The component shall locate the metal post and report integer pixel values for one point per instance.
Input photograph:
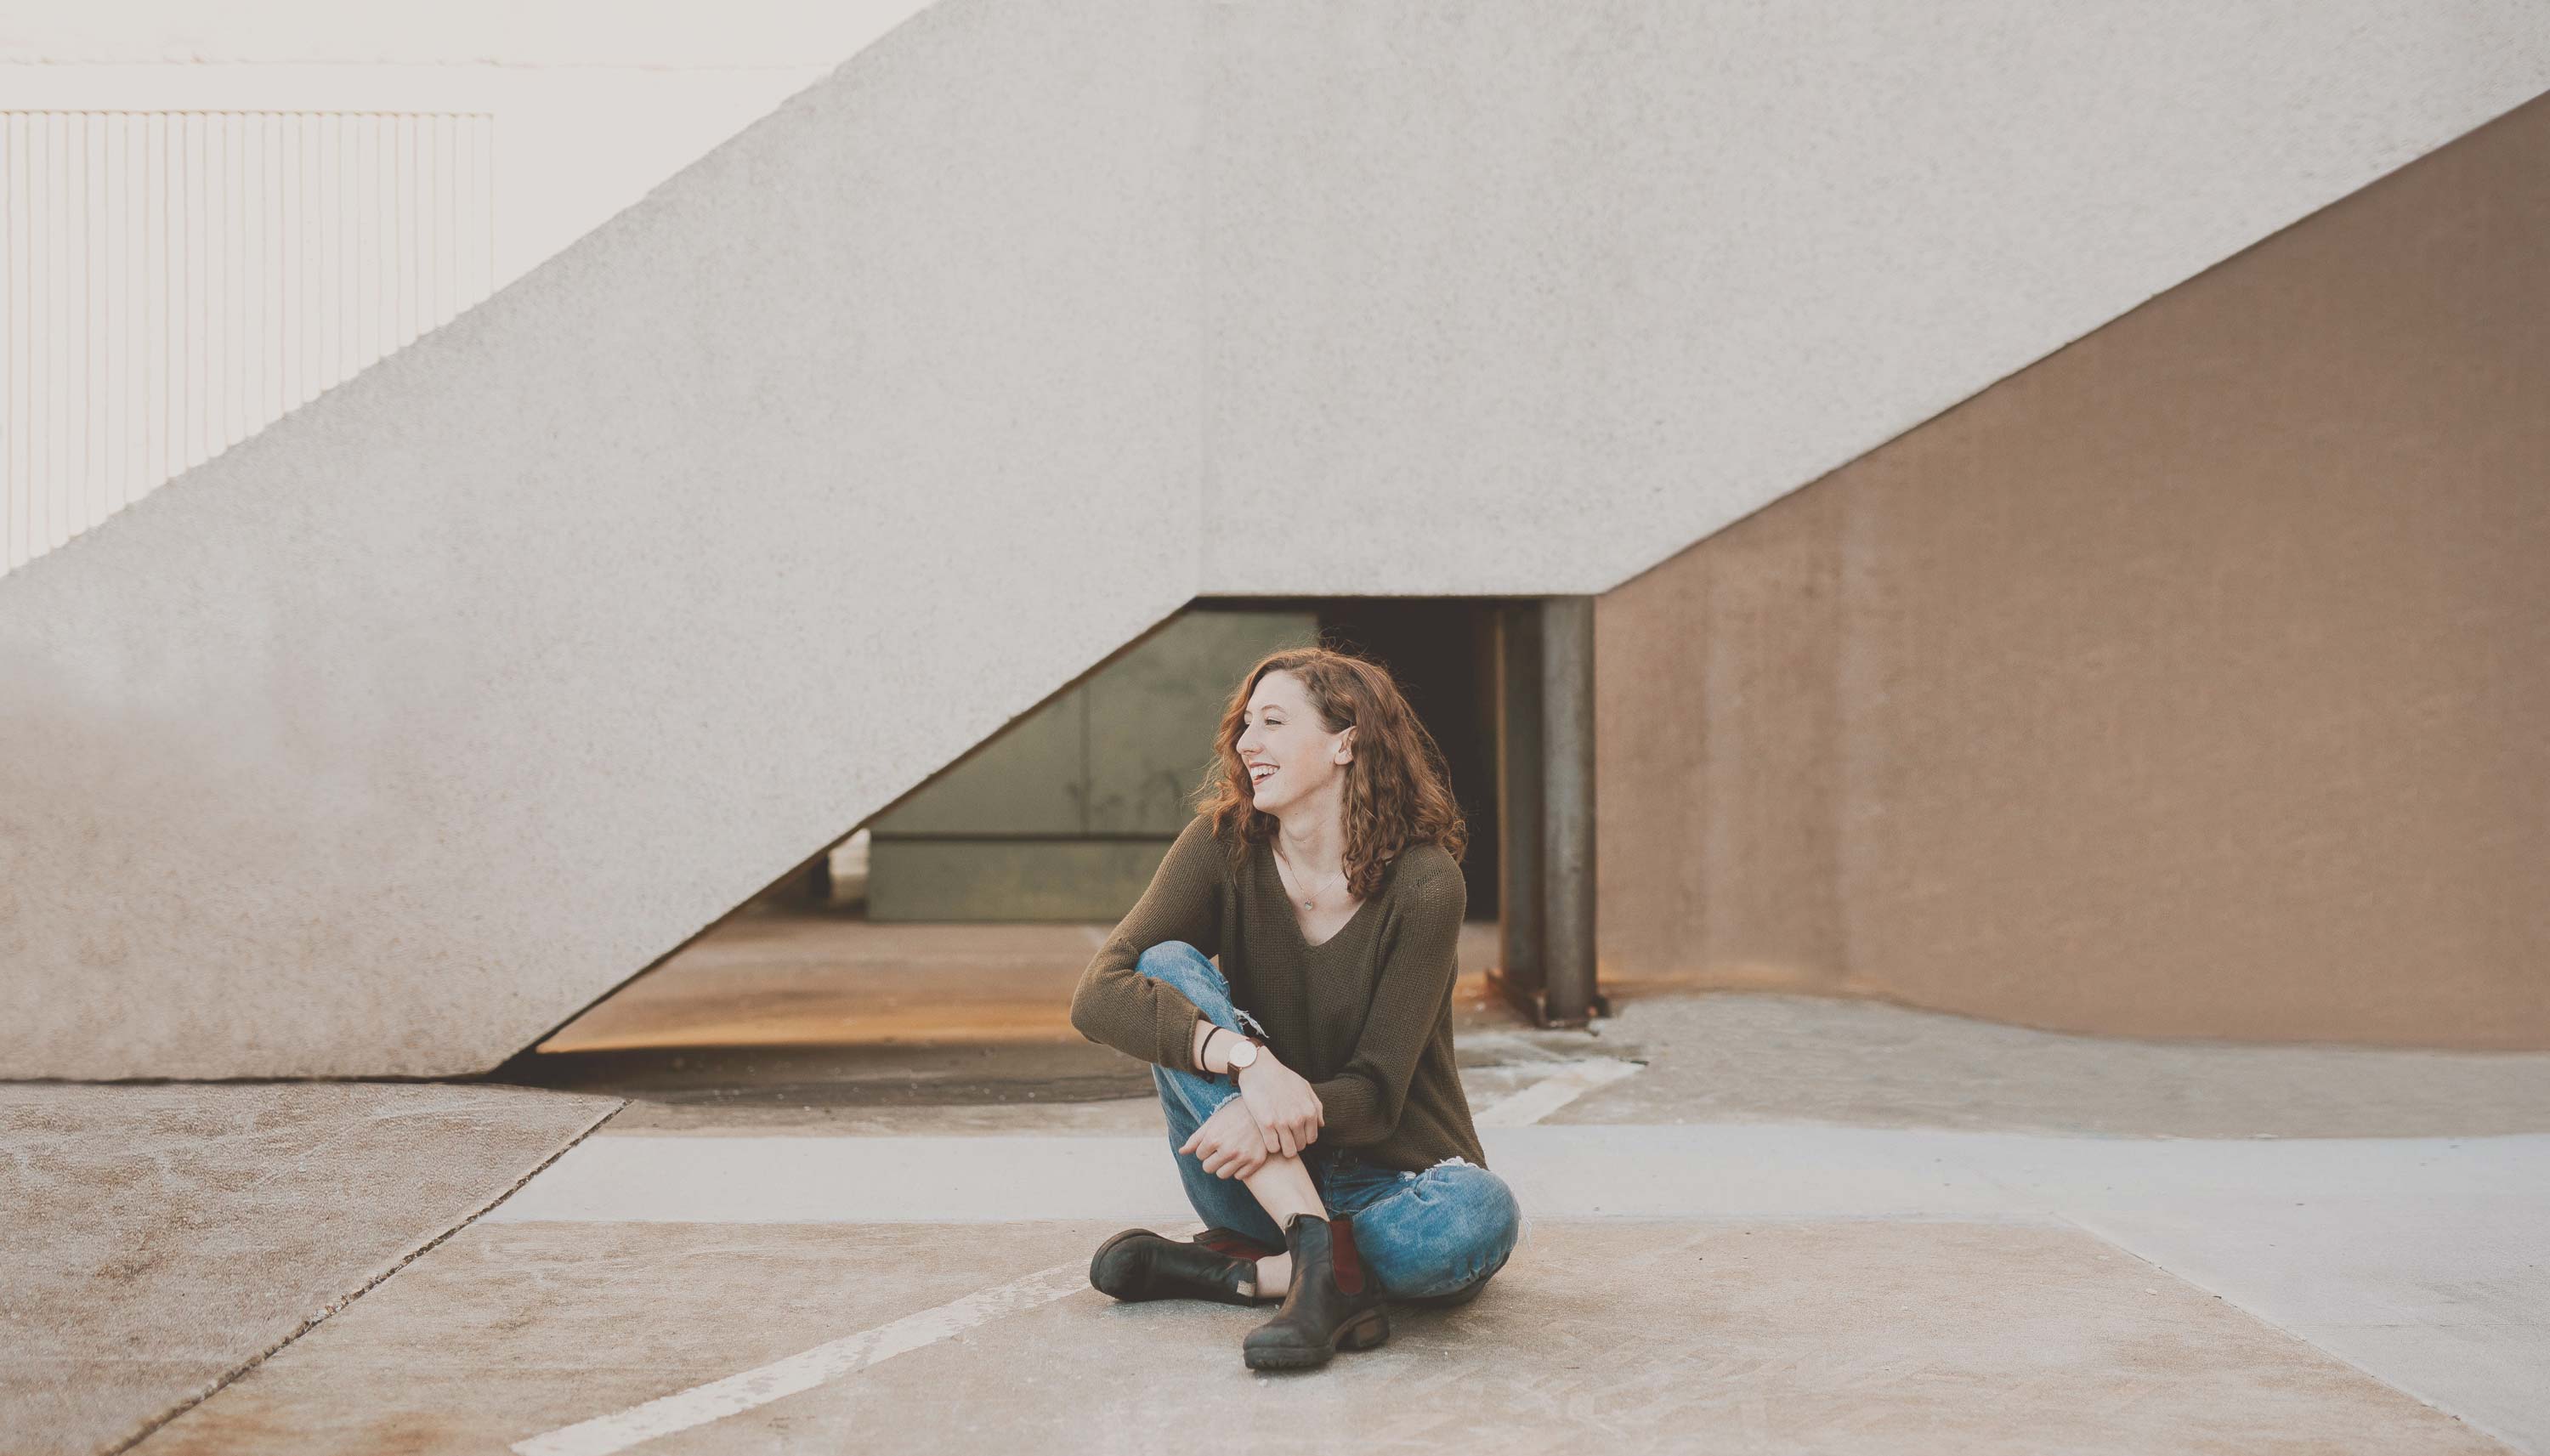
(1519, 974)
(1569, 996)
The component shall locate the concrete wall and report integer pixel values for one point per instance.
(2192, 681)
(389, 738)
(500, 670)
(1528, 296)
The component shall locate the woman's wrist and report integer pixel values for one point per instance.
(1201, 1049)
(1265, 1059)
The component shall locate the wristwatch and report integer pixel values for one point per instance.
(1245, 1054)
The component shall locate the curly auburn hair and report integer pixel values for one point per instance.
(1396, 789)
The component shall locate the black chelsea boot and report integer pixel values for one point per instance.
(1139, 1264)
(1334, 1303)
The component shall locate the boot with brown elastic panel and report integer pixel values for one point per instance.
(1236, 1245)
(1334, 1303)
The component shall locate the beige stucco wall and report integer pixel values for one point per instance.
(2194, 681)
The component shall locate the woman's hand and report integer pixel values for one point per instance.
(1287, 1111)
(1229, 1144)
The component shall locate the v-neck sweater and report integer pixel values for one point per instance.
(1366, 1016)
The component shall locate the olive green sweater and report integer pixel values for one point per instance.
(1364, 1015)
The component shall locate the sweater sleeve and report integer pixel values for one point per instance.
(1142, 1016)
(1364, 1099)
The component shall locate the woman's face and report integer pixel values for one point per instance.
(1282, 732)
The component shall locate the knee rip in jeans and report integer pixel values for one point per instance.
(1522, 1223)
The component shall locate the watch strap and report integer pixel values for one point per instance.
(1204, 1070)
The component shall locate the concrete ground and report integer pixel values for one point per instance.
(1754, 1223)
(162, 1238)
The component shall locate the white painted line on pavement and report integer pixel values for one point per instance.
(827, 1362)
(1565, 1085)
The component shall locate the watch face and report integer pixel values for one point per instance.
(1243, 1056)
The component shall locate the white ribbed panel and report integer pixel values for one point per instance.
(176, 280)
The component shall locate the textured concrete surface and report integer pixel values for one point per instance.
(1735, 1057)
(2411, 1258)
(162, 1238)
(389, 738)
(1665, 1335)
(486, 679)
(2189, 681)
(1775, 1169)
(1538, 295)
(1695, 1271)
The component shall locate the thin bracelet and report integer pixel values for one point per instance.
(1201, 1064)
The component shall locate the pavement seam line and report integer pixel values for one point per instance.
(152, 1427)
(832, 1360)
(2114, 1241)
(1566, 1082)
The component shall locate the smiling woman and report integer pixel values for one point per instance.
(1308, 1082)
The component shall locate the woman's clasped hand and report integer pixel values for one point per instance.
(1228, 1143)
(1276, 1114)
(1288, 1111)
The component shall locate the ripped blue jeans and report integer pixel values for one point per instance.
(1432, 1236)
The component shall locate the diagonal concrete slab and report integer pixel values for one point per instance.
(1832, 1336)
(1771, 1337)
(2413, 1259)
(507, 1332)
(162, 1238)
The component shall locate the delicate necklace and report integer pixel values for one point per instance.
(1312, 903)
